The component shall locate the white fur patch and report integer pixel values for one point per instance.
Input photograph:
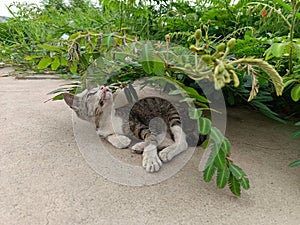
(179, 146)
(119, 141)
(139, 147)
(102, 133)
(151, 161)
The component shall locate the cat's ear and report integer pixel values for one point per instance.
(72, 101)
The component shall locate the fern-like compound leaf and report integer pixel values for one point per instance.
(220, 160)
(245, 183)
(234, 185)
(236, 171)
(222, 177)
(209, 172)
(226, 146)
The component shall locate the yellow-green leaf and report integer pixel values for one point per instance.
(56, 63)
(31, 57)
(73, 67)
(63, 61)
(195, 113)
(295, 93)
(45, 62)
(204, 126)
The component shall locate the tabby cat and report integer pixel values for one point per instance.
(149, 120)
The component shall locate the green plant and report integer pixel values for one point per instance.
(291, 47)
(124, 59)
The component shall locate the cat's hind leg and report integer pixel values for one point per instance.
(179, 146)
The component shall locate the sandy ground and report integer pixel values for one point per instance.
(44, 178)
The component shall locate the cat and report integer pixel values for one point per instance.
(149, 119)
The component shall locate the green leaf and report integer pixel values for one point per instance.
(75, 35)
(209, 172)
(295, 93)
(63, 61)
(57, 97)
(204, 126)
(216, 136)
(194, 94)
(297, 48)
(245, 183)
(286, 6)
(45, 62)
(266, 110)
(226, 146)
(147, 57)
(237, 172)
(213, 151)
(147, 66)
(220, 160)
(55, 64)
(31, 57)
(158, 68)
(297, 124)
(108, 40)
(73, 67)
(294, 164)
(234, 185)
(287, 83)
(277, 50)
(194, 113)
(204, 145)
(222, 177)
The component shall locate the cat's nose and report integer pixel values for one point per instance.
(104, 89)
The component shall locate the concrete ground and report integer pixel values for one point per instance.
(44, 179)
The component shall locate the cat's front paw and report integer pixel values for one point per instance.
(119, 141)
(171, 151)
(167, 153)
(138, 147)
(151, 161)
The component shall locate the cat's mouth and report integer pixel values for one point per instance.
(106, 95)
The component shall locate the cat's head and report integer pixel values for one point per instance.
(90, 102)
